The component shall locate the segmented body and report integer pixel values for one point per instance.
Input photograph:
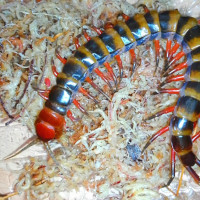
(122, 37)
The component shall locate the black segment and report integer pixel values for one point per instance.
(192, 33)
(182, 22)
(181, 124)
(60, 96)
(108, 41)
(195, 67)
(83, 58)
(194, 86)
(164, 18)
(150, 21)
(195, 52)
(74, 70)
(122, 34)
(188, 159)
(135, 28)
(56, 107)
(95, 49)
(190, 104)
(180, 143)
(67, 83)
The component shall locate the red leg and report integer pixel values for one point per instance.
(111, 72)
(170, 91)
(84, 92)
(195, 137)
(119, 62)
(99, 31)
(164, 111)
(76, 42)
(54, 70)
(133, 60)
(63, 60)
(173, 78)
(178, 68)
(108, 25)
(97, 88)
(71, 117)
(44, 94)
(174, 50)
(157, 52)
(78, 105)
(126, 17)
(159, 133)
(177, 57)
(168, 48)
(146, 10)
(87, 37)
(99, 73)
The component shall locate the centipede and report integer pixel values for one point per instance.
(182, 54)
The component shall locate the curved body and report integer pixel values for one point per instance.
(123, 36)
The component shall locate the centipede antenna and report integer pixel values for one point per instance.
(164, 111)
(87, 37)
(6, 196)
(76, 42)
(120, 66)
(104, 78)
(62, 60)
(193, 174)
(133, 60)
(111, 72)
(97, 88)
(157, 53)
(84, 92)
(71, 117)
(29, 143)
(173, 50)
(159, 133)
(78, 105)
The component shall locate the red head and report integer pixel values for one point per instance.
(49, 124)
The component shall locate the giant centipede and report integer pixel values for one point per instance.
(121, 37)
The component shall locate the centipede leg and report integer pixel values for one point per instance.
(71, 117)
(62, 60)
(76, 42)
(168, 48)
(111, 72)
(173, 162)
(146, 10)
(176, 68)
(177, 57)
(84, 92)
(54, 70)
(104, 78)
(97, 88)
(174, 50)
(165, 111)
(157, 53)
(78, 105)
(126, 17)
(170, 91)
(195, 137)
(108, 25)
(44, 94)
(87, 37)
(193, 174)
(159, 133)
(133, 60)
(97, 30)
(120, 66)
(173, 78)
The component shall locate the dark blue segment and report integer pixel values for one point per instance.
(67, 83)
(95, 49)
(108, 41)
(76, 71)
(56, 107)
(135, 28)
(164, 18)
(84, 59)
(122, 34)
(60, 96)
